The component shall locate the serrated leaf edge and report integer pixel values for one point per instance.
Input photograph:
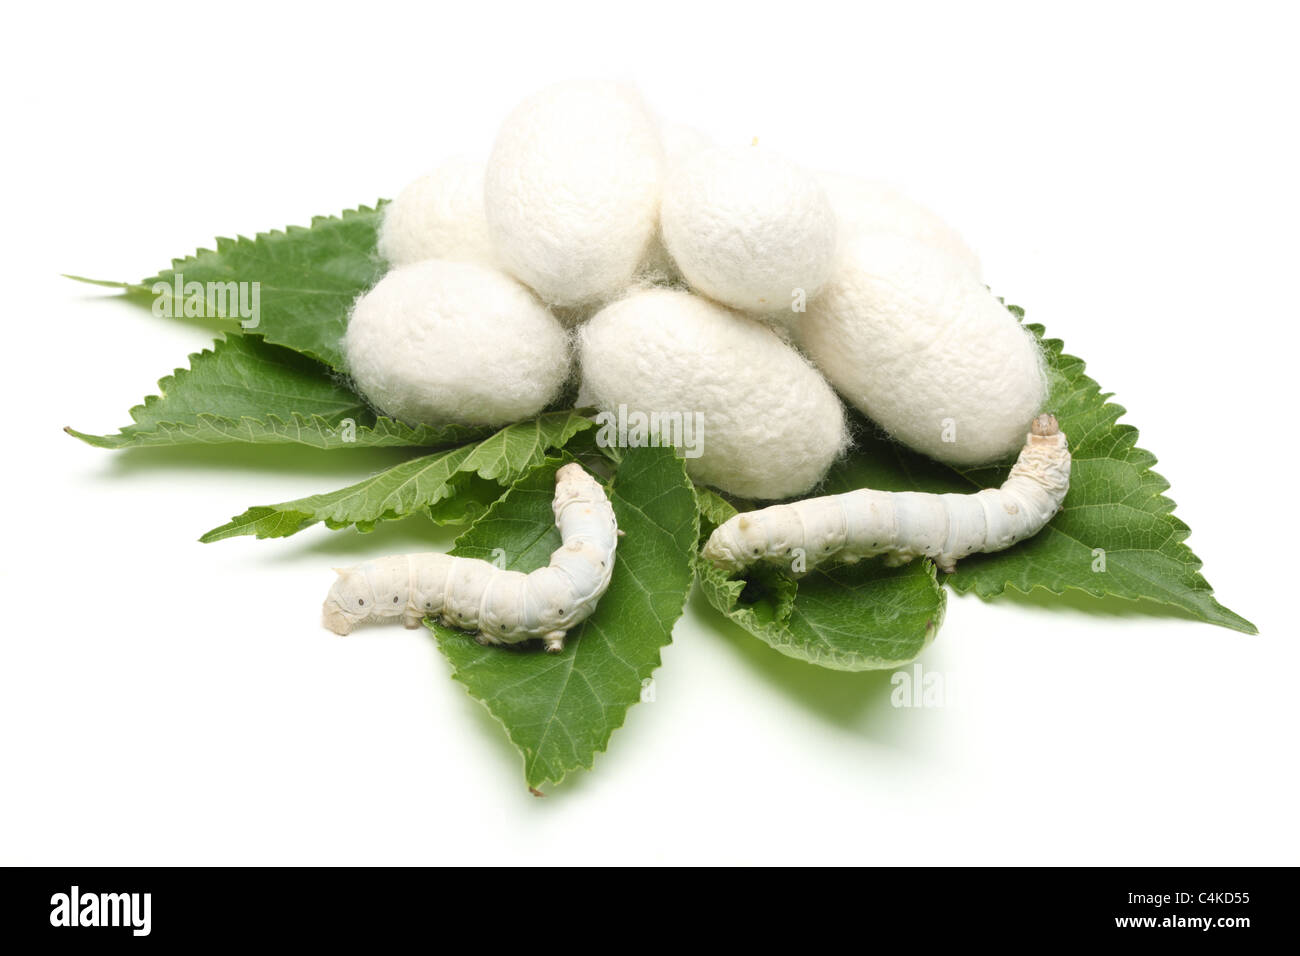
(526, 754)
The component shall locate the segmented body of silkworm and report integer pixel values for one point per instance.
(904, 525)
(499, 606)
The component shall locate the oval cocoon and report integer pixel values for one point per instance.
(748, 227)
(864, 206)
(770, 424)
(919, 345)
(572, 191)
(436, 342)
(439, 216)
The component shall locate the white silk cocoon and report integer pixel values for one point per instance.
(436, 342)
(748, 227)
(865, 206)
(572, 191)
(771, 425)
(439, 216)
(918, 344)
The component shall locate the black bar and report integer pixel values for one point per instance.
(336, 906)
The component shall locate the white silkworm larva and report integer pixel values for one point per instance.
(903, 525)
(499, 606)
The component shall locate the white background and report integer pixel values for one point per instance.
(1127, 172)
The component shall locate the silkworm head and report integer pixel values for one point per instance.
(1045, 424)
(750, 536)
(349, 602)
(735, 544)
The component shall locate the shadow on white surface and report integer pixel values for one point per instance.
(853, 701)
(1105, 608)
(343, 464)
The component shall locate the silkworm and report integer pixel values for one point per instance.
(499, 606)
(903, 525)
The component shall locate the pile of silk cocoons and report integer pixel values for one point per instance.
(601, 247)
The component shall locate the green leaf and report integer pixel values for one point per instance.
(856, 617)
(1116, 508)
(470, 497)
(560, 710)
(413, 485)
(866, 615)
(1116, 503)
(714, 508)
(244, 390)
(308, 278)
(849, 618)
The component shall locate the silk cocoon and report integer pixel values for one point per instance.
(437, 342)
(439, 216)
(573, 189)
(865, 206)
(771, 424)
(748, 227)
(916, 342)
